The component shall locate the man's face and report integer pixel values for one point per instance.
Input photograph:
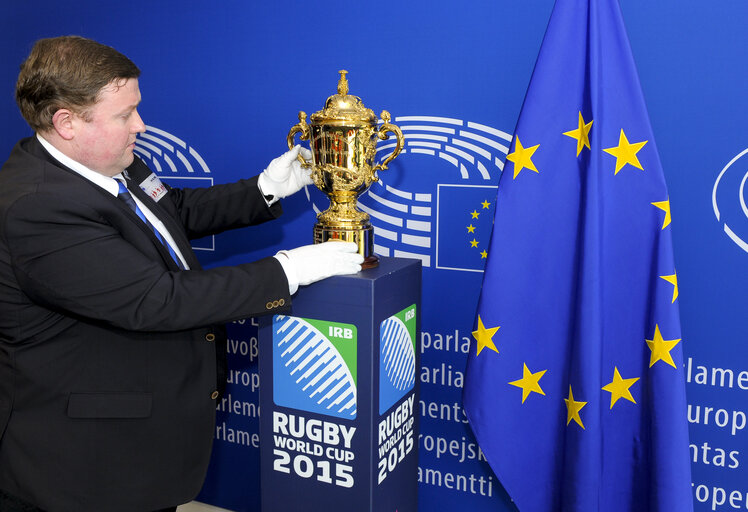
(106, 140)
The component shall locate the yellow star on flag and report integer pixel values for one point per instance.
(529, 382)
(581, 134)
(483, 255)
(484, 336)
(672, 279)
(661, 348)
(619, 388)
(522, 157)
(625, 152)
(474, 243)
(471, 228)
(665, 207)
(474, 214)
(486, 205)
(572, 409)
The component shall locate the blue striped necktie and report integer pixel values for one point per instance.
(124, 194)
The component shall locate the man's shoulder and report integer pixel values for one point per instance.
(26, 161)
(22, 171)
(29, 170)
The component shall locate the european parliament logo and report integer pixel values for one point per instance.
(436, 201)
(176, 163)
(729, 199)
(314, 366)
(397, 357)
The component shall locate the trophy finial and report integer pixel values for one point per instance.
(343, 83)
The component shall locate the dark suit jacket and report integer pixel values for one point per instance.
(107, 351)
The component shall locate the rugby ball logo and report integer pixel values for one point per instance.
(314, 366)
(397, 358)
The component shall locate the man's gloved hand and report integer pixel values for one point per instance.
(311, 263)
(285, 175)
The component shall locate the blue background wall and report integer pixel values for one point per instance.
(228, 79)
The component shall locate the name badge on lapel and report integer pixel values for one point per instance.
(153, 187)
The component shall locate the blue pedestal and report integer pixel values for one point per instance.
(339, 394)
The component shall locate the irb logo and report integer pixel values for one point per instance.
(340, 332)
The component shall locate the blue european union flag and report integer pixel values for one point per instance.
(464, 222)
(575, 387)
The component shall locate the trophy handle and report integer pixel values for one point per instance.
(382, 134)
(302, 128)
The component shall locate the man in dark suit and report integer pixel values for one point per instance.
(111, 348)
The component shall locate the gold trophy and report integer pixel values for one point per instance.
(343, 138)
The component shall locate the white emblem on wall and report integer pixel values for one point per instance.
(169, 154)
(729, 199)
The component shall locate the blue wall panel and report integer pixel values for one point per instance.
(227, 79)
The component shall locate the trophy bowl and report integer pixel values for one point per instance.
(343, 138)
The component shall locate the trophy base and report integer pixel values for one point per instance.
(363, 237)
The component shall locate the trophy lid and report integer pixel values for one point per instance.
(344, 107)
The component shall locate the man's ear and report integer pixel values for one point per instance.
(64, 123)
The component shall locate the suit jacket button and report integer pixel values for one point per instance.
(214, 395)
(210, 337)
(269, 305)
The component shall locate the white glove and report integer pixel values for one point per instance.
(311, 263)
(285, 175)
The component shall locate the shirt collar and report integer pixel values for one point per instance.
(105, 182)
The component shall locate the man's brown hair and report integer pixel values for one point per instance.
(67, 72)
